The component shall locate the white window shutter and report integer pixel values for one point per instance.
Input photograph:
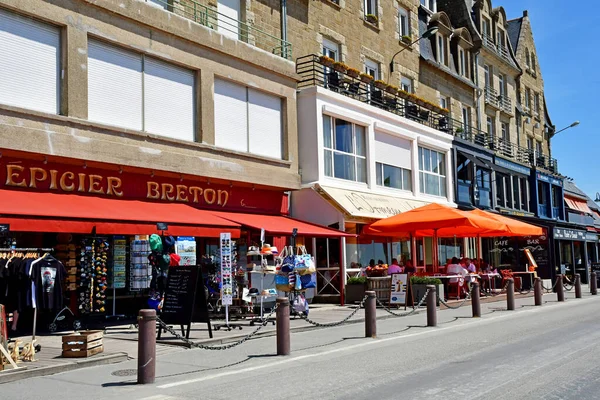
(264, 124)
(29, 64)
(169, 103)
(231, 116)
(392, 150)
(114, 86)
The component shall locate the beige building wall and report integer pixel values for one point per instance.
(143, 28)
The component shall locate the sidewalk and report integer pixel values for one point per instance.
(120, 342)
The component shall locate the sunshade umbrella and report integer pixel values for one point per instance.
(515, 228)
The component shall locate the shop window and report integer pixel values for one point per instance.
(29, 63)
(524, 194)
(557, 201)
(247, 120)
(464, 178)
(450, 247)
(393, 177)
(345, 151)
(432, 172)
(484, 188)
(542, 199)
(501, 194)
(516, 193)
(131, 90)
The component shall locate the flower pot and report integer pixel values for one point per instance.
(366, 78)
(418, 291)
(339, 68)
(380, 85)
(354, 73)
(326, 61)
(355, 293)
(372, 19)
(391, 90)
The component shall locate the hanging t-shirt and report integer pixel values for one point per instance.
(48, 274)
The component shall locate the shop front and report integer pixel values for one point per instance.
(575, 251)
(96, 218)
(473, 171)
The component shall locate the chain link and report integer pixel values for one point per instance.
(220, 347)
(332, 324)
(551, 289)
(406, 314)
(467, 298)
(567, 282)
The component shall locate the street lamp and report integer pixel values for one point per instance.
(426, 35)
(597, 197)
(573, 125)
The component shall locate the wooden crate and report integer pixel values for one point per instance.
(84, 344)
(381, 286)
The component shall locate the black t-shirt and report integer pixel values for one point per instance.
(48, 274)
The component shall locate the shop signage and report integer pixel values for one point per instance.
(398, 289)
(550, 179)
(515, 213)
(569, 234)
(4, 228)
(30, 175)
(512, 166)
(591, 237)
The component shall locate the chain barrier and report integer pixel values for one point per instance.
(567, 282)
(467, 298)
(551, 289)
(406, 314)
(220, 347)
(332, 324)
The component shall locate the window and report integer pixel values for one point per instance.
(429, 4)
(529, 143)
(441, 49)
(247, 120)
(466, 118)
(500, 189)
(432, 172)
(484, 188)
(403, 22)
(444, 102)
(500, 38)
(485, 27)
(331, 49)
(527, 59)
(491, 127)
(393, 177)
(372, 68)
(542, 195)
(533, 62)
(528, 98)
(464, 178)
(371, 7)
(462, 62)
(524, 194)
(505, 133)
(536, 103)
(488, 76)
(502, 84)
(406, 84)
(538, 147)
(516, 192)
(29, 64)
(344, 149)
(137, 92)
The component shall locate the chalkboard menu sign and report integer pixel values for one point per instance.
(184, 298)
(596, 267)
(538, 246)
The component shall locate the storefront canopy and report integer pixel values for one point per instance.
(514, 227)
(578, 205)
(50, 212)
(279, 225)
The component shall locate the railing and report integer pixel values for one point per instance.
(314, 73)
(226, 25)
(506, 104)
(491, 96)
(499, 49)
(555, 212)
(543, 210)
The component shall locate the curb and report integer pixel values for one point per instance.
(12, 376)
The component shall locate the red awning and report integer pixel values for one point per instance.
(578, 205)
(279, 225)
(50, 212)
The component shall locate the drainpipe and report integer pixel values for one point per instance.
(478, 91)
(283, 14)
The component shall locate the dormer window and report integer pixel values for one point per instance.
(527, 59)
(442, 46)
(533, 66)
(500, 38)
(430, 5)
(461, 45)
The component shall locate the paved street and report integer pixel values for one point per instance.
(532, 353)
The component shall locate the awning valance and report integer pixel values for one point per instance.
(578, 205)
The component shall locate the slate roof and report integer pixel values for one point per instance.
(572, 189)
(514, 31)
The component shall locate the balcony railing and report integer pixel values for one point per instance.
(501, 50)
(314, 73)
(506, 104)
(226, 25)
(491, 96)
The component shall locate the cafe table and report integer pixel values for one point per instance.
(446, 279)
(491, 279)
(531, 277)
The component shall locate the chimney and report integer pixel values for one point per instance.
(525, 13)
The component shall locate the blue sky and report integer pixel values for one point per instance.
(568, 56)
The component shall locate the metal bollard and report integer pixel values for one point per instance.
(146, 371)
(594, 283)
(371, 314)
(431, 306)
(283, 326)
(475, 301)
(577, 286)
(510, 294)
(537, 291)
(560, 290)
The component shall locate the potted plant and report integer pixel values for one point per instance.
(379, 84)
(353, 72)
(366, 78)
(459, 130)
(355, 289)
(340, 67)
(407, 39)
(419, 287)
(326, 61)
(391, 89)
(403, 94)
(372, 19)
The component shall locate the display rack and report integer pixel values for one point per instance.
(227, 279)
(263, 273)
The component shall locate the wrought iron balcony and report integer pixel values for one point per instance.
(501, 50)
(314, 73)
(491, 97)
(506, 104)
(226, 25)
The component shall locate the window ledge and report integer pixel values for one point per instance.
(374, 26)
(333, 4)
(407, 46)
(140, 135)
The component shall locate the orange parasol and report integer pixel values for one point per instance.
(515, 228)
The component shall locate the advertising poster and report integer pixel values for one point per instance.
(226, 269)
(186, 249)
(398, 290)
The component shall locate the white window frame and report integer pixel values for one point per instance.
(372, 4)
(431, 5)
(404, 22)
(332, 150)
(329, 47)
(372, 68)
(500, 38)
(505, 132)
(406, 182)
(528, 98)
(426, 168)
(462, 62)
(442, 54)
(444, 103)
(406, 84)
(501, 84)
(536, 103)
(491, 126)
(466, 118)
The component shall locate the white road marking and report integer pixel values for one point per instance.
(365, 344)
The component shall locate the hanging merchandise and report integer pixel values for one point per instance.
(86, 276)
(100, 275)
(93, 276)
(300, 304)
(140, 273)
(226, 269)
(118, 276)
(186, 249)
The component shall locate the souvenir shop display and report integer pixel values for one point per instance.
(267, 257)
(296, 274)
(140, 271)
(93, 276)
(227, 260)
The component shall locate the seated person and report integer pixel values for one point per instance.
(409, 269)
(394, 268)
(455, 269)
(470, 266)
